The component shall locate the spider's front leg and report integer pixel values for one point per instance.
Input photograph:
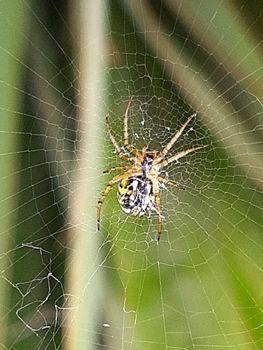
(115, 143)
(176, 136)
(111, 183)
(179, 155)
(127, 145)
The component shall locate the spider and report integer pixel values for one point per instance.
(139, 185)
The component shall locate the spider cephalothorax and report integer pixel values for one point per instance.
(139, 186)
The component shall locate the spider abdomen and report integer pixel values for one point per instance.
(135, 196)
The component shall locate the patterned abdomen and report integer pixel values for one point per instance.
(135, 196)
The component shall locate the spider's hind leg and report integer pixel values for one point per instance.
(160, 226)
(156, 193)
(104, 194)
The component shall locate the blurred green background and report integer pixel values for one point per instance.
(201, 287)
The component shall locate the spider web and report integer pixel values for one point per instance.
(64, 285)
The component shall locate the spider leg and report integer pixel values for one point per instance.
(173, 140)
(114, 142)
(129, 147)
(169, 182)
(156, 193)
(180, 155)
(111, 183)
(116, 168)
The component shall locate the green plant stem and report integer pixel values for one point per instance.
(83, 282)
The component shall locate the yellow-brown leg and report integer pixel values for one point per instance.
(173, 140)
(115, 168)
(170, 183)
(129, 147)
(157, 198)
(115, 143)
(180, 155)
(111, 183)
